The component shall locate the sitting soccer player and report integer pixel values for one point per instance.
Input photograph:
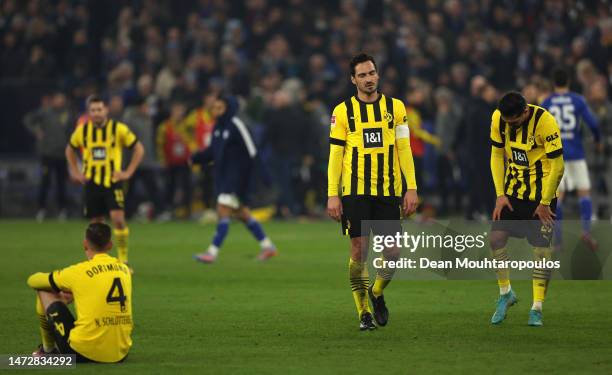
(102, 290)
(234, 156)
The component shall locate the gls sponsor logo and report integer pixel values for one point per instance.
(552, 137)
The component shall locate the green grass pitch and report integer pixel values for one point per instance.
(295, 314)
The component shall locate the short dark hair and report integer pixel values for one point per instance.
(560, 77)
(94, 98)
(98, 235)
(361, 58)
(512, 104)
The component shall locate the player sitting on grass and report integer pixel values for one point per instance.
(101, 288)
(233, 154)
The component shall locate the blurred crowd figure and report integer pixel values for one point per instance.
(51, 125)
(160, 62)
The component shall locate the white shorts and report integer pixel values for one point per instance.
(575, 177)
(230, 200)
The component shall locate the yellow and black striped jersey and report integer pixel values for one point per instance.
(368, 134)
(102, 149)
(528, 149)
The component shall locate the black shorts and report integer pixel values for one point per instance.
(99, 200)
(62, 322)
(521, 223)
(358, 208)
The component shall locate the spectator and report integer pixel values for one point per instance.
(116, 107)
(601, 106)
(138, 118)
(419, 137)
(40, 67)
(448, 116)
(475, 130)
(51, 125)
(287, 134)
(202, 122)
(166, 51)
(13, 56)
(174, 141)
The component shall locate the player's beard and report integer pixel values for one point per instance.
(369, 90)
(99, 123)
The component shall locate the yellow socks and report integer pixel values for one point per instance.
(503, 274)
(121, 238)
(48, 341)
(360, 282)
(379, 285)
(541, 276)
(383, 278)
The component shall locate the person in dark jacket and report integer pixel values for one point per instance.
(51, 126)
(234, 157)
(477, 132)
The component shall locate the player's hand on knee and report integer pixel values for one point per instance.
(334, 208)
(501, 202)
(545, 214)
(411, 202)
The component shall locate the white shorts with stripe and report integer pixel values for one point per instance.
(229, 200)
(575, 177)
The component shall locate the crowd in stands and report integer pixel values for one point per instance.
(159, 63)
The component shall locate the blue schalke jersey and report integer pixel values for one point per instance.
(568, 109)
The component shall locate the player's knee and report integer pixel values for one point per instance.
(223, 211)
(392, 253)
(48, 298)
(357, 255)
(244, 217)
(584, 193)
(358, 249)
(497, 240)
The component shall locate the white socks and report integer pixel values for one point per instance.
(213, 250)
(266, 243)
(537, 305)
(505, 289)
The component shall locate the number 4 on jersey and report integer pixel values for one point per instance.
(115, 294)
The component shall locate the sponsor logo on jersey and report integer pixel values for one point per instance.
(98, 153)
(552, 137)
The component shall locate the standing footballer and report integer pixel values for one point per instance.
(569, 108)
(369, 154)
(528, 137)
(102, 141)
